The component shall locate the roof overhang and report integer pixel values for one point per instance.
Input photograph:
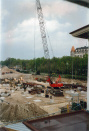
(81, 33)
(81, 2)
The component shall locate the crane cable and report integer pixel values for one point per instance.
(49, 39)
(51, 47)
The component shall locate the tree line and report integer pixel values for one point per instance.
(67, 66)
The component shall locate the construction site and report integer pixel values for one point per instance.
(43, 102)
(23, 97)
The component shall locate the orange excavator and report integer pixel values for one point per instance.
(56, 84)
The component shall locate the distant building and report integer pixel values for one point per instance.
(80, 52)
(72, 52)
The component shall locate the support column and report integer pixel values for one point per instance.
(88, 80)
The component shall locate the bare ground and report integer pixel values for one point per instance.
(21, 105)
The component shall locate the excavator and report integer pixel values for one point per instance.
(56, 84)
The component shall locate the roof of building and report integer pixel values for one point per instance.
(72, 49)
(81, 32)
(75, 121)
(85, 47)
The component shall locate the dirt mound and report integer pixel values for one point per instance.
(18, 112)
(6, 69)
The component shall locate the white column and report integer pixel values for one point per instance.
(0, 30)
(88, 80)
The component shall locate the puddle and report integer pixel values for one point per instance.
(2, 98)
(29, 97)
(37, 100)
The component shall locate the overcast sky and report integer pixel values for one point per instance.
(20, 27)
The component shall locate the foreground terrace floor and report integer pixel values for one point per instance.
(76, 121)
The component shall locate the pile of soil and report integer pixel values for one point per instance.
(6, 69)
(10, 73)
(11, 112)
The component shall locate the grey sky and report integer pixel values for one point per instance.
(18, 20)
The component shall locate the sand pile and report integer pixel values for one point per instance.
(18, 112)
(15, 74)
(6, 69)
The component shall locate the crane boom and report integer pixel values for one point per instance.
(42, 29)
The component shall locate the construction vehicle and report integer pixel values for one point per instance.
(58, 79)
(54, 84)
